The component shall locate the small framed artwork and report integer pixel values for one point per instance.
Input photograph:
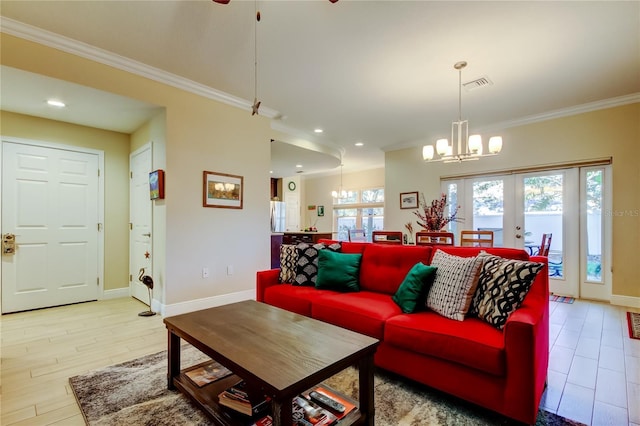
(409, 200)
(156, 185)
(222, 190)
(320, 210)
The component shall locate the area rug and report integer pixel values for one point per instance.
(135, 393)
(561, 299)
(633, 320)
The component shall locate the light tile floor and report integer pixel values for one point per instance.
(594, 371)
(594, 367)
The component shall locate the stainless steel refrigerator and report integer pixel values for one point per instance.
(278, 216)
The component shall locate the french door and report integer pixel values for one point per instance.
(567, 203)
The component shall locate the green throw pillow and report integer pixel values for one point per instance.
(338, 271)
(413, 289)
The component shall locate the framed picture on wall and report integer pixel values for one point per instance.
(222, 190)
(320, 210)
(156, 185)
(409, 200)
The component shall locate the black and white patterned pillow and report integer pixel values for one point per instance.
(454, 284)
(288, 262)
(307, 263)
(502, 286)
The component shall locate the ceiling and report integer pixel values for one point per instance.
(376, 72)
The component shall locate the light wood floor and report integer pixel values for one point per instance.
(594, 372)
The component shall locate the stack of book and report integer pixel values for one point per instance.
(239, 398)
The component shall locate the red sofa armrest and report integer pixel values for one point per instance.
(264, 280)
(526, 336)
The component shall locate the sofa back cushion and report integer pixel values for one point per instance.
(507, 253)
(384, 267)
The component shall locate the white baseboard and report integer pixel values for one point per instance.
(116, 293)
(207, 302)
(629, 301)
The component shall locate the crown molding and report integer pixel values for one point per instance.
(566, 112)
(550, 115)
(87, 51)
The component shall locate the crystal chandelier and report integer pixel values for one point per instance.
(468, 148)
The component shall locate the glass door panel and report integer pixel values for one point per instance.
(488, 208)
(543, 214)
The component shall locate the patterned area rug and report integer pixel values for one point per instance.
(561, 299)
(633, 320)
(135, 393)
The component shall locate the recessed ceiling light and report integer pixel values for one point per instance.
(359, 144)
(299, 166)
(56, 103)
(271, 171)
(318, 130)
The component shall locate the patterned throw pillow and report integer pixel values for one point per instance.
(288, 262)
(307, 263)
(502, 286)
(454, 284)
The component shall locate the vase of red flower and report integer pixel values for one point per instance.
(432, 216)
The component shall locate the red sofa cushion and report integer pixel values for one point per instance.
(292, 297)
(508, 253)
(471, 342)
(364, 312)
(384, 267)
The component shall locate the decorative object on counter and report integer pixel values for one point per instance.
(222, 190)
(156, 185)
(409, 200)
(409, 227)
(432, 216)
(148, 282)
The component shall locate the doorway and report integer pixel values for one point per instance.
(51, 206)
(567, 203)
(141, 222)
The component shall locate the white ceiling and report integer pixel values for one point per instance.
(377, 72)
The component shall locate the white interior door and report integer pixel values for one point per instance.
(50, 202)
(140, 239)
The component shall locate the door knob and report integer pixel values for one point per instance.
(518, 228)
(518, 236)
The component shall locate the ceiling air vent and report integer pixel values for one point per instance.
(477, 83)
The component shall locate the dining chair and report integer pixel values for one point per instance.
(357, 235)
(386, 237)
(428, 238)
(476, 238)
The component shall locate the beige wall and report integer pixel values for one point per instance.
(317, 191)
(116, 162)
(613, 132)
(200, 134)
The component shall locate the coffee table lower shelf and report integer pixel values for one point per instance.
(206, 398)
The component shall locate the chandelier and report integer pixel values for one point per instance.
(340, 193)
(468, 148)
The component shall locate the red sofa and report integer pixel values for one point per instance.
(502, 370)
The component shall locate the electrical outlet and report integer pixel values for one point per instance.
(205, 272)
(230, 270)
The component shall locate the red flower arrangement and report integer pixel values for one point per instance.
(432, 216)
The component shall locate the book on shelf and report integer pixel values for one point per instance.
(308, 413)
(264, 421)
(239, 398)
(206, 372)
(349, 406)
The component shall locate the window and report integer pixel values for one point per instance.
(363, 209)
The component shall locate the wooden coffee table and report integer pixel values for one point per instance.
(281, 352)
